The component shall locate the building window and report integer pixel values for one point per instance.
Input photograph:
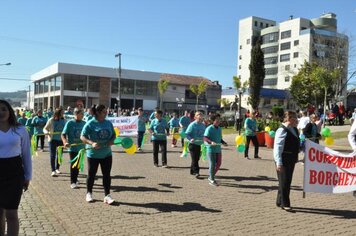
(240, 57)
(296, 54)
(270, 82)
(266, 25)
(285, 46)
(287, 67)
(285, 57)
(75, 82)
(146, 88)
(286, 34)
(270, 38)
(266, 101)
(286, 79)
(248, 41)
(271, 71)
(240, 46)
(273, 49)
(174, 87)
(271, 60)
(296, 42)
(261, 24)
(295, 65)
(127, 86)
(256, 23)
(94, 84)
(239, 67)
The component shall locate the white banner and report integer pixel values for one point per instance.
(328, 171)
(128, 125)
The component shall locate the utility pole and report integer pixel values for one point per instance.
(119, 85)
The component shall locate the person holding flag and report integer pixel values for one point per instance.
(71, 140)
(184, 121)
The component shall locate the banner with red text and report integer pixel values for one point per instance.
(328, 171)
(127, 125)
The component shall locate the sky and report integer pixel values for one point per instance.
(188, 37)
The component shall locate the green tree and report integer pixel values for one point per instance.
(223, 103)
(162, 88)
(198, 90)
(257, 74)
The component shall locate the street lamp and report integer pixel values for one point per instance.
(6, 64)
(118, 55)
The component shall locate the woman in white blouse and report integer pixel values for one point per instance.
(15, 167)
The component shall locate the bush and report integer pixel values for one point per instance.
(278, 111)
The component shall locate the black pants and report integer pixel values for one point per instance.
(73, 171)
(140, 138)
(254, 141)
(195, 154)
(38, 138)
(156, 145)
(285, 180)
(105, 165)
(53, 144)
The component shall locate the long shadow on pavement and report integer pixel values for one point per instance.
(170, 207)
(138, 189)
(346, 214)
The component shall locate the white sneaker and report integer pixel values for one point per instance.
(57, 171)
(89, 197)
(213, 182)
(73, 185)
(108, 200)
(54, 174)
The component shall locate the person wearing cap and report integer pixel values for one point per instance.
(71, 135)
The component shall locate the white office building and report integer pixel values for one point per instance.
(288, 44)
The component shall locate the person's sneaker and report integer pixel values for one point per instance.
(54, 174)
(156, 165)
(213, 182)
(257, 157)
(173, 145)
(73, 186)
(57, 171)
(42, 150)
(139, 149)
(247, 158)
(164, 166)
(108, 200)
(197, 176)
(89, 197)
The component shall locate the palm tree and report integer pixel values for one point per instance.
(162, 88)
(198, 90)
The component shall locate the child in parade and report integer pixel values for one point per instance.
(184, 121)
(195, 136)
(53, 129)
(71, 135)
(29, 126)
(213, 138)
(23, 119)
(99, 135)
(38, 123)
(250, 132)
(174, 127)
(142, 120)
(15, 168)
(158, 129)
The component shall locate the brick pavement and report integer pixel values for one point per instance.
(158, 201)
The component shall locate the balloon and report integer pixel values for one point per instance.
(117, 131)
(267, 129)
(117, 141)
(176, 136)
(326, 132)
(131, 150)
(272, 133)
(302, 137)
(329, 141)
(182, 134)
(241, 148)
(239, 139)
(126, 143)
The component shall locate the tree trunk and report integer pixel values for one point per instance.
(324, 119)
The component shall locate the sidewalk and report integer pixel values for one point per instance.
(158, 201)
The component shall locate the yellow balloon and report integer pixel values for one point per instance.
(239, 139)
(267, 129)
(329, 141)
(117, 131)
(131, 150)
(176, 136)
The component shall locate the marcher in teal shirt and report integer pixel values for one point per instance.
(195, 135)
(250, 131)
(99, 135)
(213, 141)
(39, 123)
(23, 119)
(174, 127)
(71, 135)
(157, 129)
(142, 120)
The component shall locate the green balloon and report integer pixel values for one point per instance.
(241, 148)
(272, 133)
(126, 143)
(326, 132)
(117, 141)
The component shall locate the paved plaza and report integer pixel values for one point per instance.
(169, 201)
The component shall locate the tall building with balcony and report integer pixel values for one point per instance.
(287, 45)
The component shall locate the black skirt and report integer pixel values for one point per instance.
(11, 182)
